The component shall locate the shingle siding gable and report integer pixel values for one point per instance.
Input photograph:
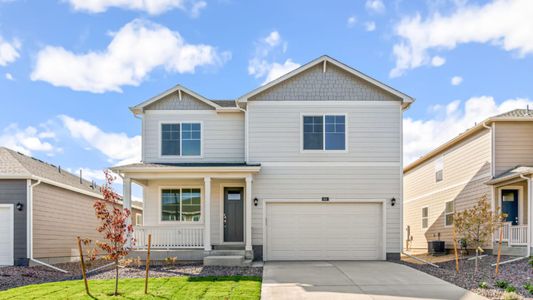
(172, 102)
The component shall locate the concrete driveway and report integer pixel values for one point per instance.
(333, 280)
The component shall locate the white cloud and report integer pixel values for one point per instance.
(9, 51)
(136, 49)
(153, 7)
(438, 61)
(503, 23)
(370, 26)
(447, 121)
(456, 80)
(262, 64)
(351, 21)
(119, 148)
(9, 76)
(28, 140)
(375, 6)
(197, 7)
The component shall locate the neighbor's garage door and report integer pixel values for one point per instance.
(6, 235)
(324, 231)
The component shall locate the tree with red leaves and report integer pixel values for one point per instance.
(114, 225)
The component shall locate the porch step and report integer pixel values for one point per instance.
(226, 261)
(227, 253)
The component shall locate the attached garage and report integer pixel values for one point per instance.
(6, 234)
(325, 231)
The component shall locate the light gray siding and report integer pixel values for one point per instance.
(222, 141)
(333, 85)
(370, 169)
(13, 192)
(514, 145)
(172, 102)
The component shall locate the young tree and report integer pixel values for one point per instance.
(113, 225)
(477, 225)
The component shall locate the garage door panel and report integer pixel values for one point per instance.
(316, 231)
(6, 235)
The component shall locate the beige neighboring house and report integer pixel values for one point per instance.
(43, 209)
(306, 167)
(494, 158)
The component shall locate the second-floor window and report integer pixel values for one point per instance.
(439, 169)
(449, 210)
(181, 139)
(425, 217)
(324, 132)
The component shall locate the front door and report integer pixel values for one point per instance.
(233, 214)
(510, 205)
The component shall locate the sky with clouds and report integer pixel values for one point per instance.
(69, 69)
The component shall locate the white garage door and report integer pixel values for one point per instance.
(6, 235)
(324, 231)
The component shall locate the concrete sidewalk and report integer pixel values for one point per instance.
(333, 280)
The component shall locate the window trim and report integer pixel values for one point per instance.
(441, 160)
(160, 139)
(447, 213)
(323, 115)
(180, 187)
(137, 223)
(422, 217)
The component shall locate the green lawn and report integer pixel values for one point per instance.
(230, 287)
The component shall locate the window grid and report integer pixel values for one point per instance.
(329, 127)
(425, 217)
(181, 205)
(188, 137)
(448, 213)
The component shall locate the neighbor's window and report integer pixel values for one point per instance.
(183, 139)
(439, 167)
(181, 205)
(425, 217)
(325, 132)
(448, 213)
(138, 219)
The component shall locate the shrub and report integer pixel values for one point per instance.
(502, 284)
(511, 296)
(529, 287)
(510, 289)
(484, 285)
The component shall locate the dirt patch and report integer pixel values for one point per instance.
(516, 274)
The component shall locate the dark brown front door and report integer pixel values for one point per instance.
(233, 214)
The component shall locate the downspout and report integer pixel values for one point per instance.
(30, 229)
(529, 186)
(245, 111)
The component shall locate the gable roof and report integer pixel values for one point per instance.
(15, 165)
(516, 115)
(406, 99)
(139, 108)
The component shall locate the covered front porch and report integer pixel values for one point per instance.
(193, 210)
(512, 194)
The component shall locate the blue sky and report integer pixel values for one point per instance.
(70, 69)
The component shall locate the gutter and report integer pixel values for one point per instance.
(529, 186)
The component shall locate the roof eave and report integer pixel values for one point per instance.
(252, 169)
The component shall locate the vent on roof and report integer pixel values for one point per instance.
(59, 169)
(81, 176)
(527, 110)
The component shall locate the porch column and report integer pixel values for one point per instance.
(248, 214)
(126, 202)
(207, 214)
(529, 214)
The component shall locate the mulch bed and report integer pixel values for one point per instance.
(516, 274)
(11, 277)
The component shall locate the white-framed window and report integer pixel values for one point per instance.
(425, 217)
(181, 204)
(181, 139)
(439, 169)
(138, 219)
(324, 132)
(449, 210)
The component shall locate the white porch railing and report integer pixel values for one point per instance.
(514, 235)
(167, 237)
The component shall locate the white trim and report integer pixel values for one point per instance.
(180, 156)
(207, 210)
(180, 112)
(29, 210)
(520, 190)
(328, 103)
(323, 115)
(400, 133)
(383, 203)
(493, 149)
(11, 208)
(222, 186)
(448, 213)
(422, 218)
(246, 136)
(248, 214)
(180, 187)
(137, 223)
(330, 164)
(479, 177)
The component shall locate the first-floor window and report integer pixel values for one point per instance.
(448, 213)
(425, 217)
(181, 205)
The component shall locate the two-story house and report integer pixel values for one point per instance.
(492, 159)
(306, 167)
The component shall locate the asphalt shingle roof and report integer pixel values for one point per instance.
(225, 103)
(517, 113)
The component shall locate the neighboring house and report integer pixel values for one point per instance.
(495, 159)
(306, 167)
(42, 210)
